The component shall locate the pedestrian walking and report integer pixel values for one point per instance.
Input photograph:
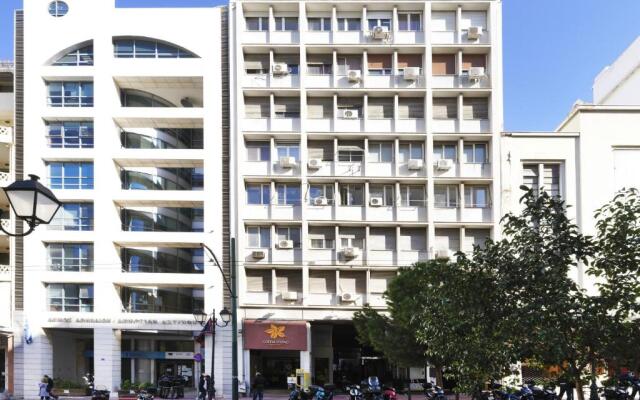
(50, 387)
(258, 386)
(42, 389)
(202, 386)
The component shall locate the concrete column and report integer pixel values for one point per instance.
(305, 356)
(107, 358)
(36, 360)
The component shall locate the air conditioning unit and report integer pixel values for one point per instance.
(443, 254)
(476, 73)
(411, 73)
(350, 252)
(349, 114)
(474, 32)
(314, 163)
(320, 201)
(354, 75)
(285, 244)
(280, 69)
(444, 164)
(347, 298)
(415, 164)
(376, 201)
(287, 162)
(258, 254)
(290, 296)
(380, 32)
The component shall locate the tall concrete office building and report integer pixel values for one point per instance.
(365, 138)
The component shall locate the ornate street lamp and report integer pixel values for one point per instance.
(31, 202)
(203, 319)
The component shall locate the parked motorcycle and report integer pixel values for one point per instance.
(144, 395)
(372, 389)
(355, 392)
(542, 393)
(389, 393)
(433, 392)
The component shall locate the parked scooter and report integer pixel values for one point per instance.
(372, 389)
(144, 395)
(355, 392)
(389, 393)
(433, 392)
(542, 393)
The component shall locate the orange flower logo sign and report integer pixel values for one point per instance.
(276, 332)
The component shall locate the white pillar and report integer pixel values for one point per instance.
(107, 359)
(36, 361)
(305, 356)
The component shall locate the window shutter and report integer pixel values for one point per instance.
(447, 239)
(443, 21)
(382, 239)
(256, 107)
(475, 108)
(321, 150)
(410, 108)
(474, 236)
(409, 60)
(258, 280)
(288, 281)
(379, 61)
(444, 64)
(352, 282)
(445, 108)
(255, 61)
(322, 282)
(473, 18)
(380, 108)
(379, 281)
(287, 105)
(413, 239)
(473, 60)
(319, 108)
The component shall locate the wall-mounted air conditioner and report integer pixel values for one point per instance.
(287, 162)
(444, 164)
(475, 32)
(280, 69)
(354, 75)
(415, 164)
(285, 244)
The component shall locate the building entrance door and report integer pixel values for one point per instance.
(183, 368)
(275, 366)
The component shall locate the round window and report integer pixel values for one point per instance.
(58, 8)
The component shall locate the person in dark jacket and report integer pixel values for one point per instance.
(50, 387)
(202, 387)
(211, 390)
(258, 386)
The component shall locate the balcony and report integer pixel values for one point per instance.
(162, 300)
(455, 37)
(161, 138)
(271, 124)
(462, 170)
(149, 178)
(467, 215)
(461, 82)
(162, 260)
(162, 219)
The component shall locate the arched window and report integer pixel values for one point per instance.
(79, 57)
(139, 98)
(148, 48)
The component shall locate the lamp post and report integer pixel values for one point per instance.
(203, 319)
(31, 202)
(233, 315)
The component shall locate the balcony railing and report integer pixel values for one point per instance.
(140, 221)
(135, 180)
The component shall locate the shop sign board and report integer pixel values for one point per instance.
(275, 335)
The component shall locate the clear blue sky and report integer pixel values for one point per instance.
(552, 50)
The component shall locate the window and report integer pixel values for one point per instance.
(288, 194)
(289, 233)
(473, 60)
(352, 282)
(348, 62)
(379, 281)
(322, 150)
(410, 108)
(78, 57)
(384, 192)
(143, 48)
(409, 60)
(443, 64)
(382, 239)
(373, 22)
(321, 237)
(71, 175)
(256, 64)
(350, 151)
(322, 282)
(351, 105)
(411, 22)
(258, 193)
(288, 281)
(379, 64)
(475, 108)
(446, 196)
(286, 107)
(257, 23)
(411, 151)
(292, 61)
(288, 150)
(70, 134)
(380, 152)
(550, 177)
(319, 108)
(70, 94)
(259, 237)
(380, 108)
(475, 153)
(413, 196)
(349, 24)
(258, 151)
(73, 217)
(443, 21)
(58, 8)
(257, 107)
(476, 196)
(319, 24)
(445, 108)
(320, 191)
(413, 239)
(70, 297)
(75, 257)
(140, 98)
(286, 24)
(319, 67)
(351, 194)
(444, 150)
(258, 280)
(352, 237)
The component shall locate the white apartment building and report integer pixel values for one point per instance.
(365, 138)
(592, 154)
(6, 271)
(119, 113)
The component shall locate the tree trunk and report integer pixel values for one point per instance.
(579, 389)
(439, 377)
